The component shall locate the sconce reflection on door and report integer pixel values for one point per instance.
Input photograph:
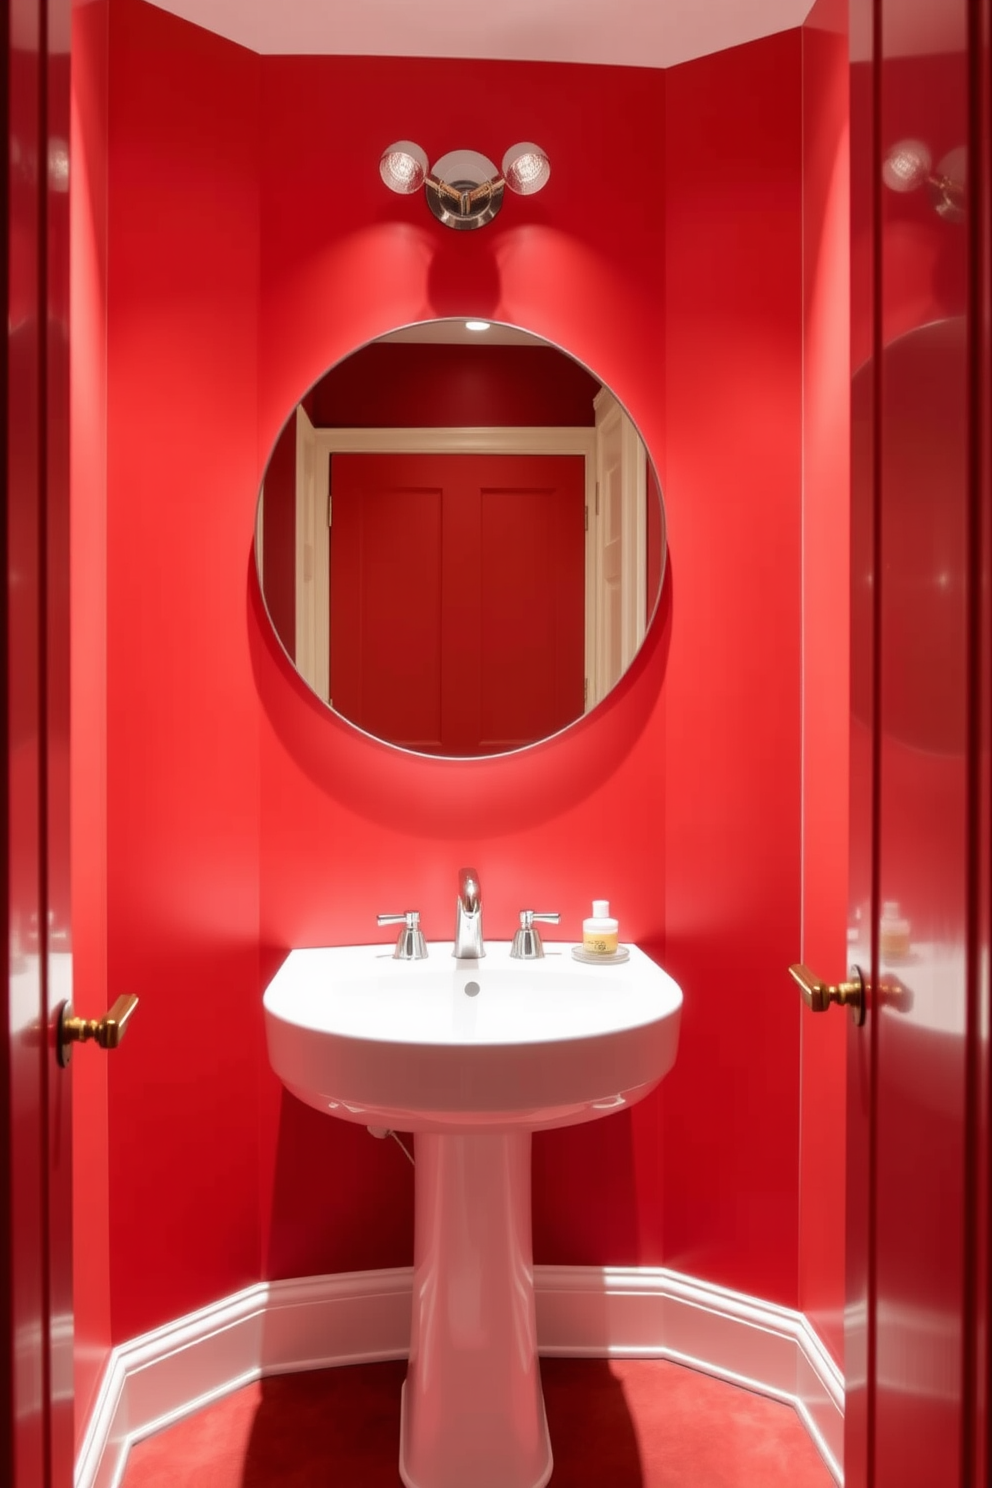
(464, 189)
(908, 166)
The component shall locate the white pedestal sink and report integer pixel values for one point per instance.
(471, 1056)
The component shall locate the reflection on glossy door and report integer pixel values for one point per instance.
(35, 1253)
(918, 1123)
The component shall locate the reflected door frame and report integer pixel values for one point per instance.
(616, 550)
(314, 501)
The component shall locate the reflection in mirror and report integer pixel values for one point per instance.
(460, 539)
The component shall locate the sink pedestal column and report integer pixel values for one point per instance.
(473, 1412)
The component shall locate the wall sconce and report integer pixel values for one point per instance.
(908, 166)
(464, 189)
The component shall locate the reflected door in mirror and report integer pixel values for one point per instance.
(457, 598)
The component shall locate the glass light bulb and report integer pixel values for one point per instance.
(526, 168)
(906, 166)
(403, 167)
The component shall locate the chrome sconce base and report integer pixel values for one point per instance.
(464, 189)
(463, 205)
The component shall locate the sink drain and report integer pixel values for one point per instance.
(472, 989)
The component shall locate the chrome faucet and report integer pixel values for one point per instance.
(468, 916)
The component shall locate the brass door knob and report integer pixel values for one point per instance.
(818, 995)
(107, 1031)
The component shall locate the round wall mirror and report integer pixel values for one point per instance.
(460, 539)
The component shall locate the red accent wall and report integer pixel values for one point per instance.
(826, 668)
(731, 702)
(182, 711)
(244, 819)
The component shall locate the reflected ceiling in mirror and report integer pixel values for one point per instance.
(460, 539)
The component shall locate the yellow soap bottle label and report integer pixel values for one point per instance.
(599, 942)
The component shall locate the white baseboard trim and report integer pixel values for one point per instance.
(359, 1317)
(642, 1312)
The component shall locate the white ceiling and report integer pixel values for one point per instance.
(624, 33)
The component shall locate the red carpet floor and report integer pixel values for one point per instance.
(626, 1423)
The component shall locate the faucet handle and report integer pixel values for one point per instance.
(410, 944)
(527, 944)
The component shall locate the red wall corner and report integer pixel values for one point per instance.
(826, 665)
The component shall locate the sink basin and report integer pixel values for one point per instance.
(472, 1056)
(444, 1045)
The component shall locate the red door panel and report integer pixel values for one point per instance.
(457, 598)
(385, 612)
(917, 1335)
(533, 602)
(36, 1377)
(923, 825)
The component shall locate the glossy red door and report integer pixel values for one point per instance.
(917, 1333)
(457, 598)
(36, 1446)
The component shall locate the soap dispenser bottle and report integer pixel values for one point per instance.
(600, 932)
